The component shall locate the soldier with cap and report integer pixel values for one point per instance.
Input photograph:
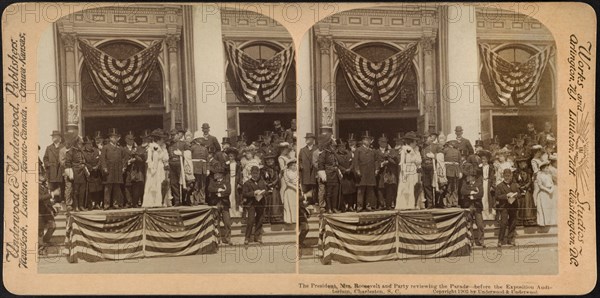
(463, 144)
(307, 171)
(329, 173)
(91, 155)
(113, 160)
(75, 161)
(53, 167)
(211, 141)
(200, 163)
(364, 167)
(387, 174)
(177, 178)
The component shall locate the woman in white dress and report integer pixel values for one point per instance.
(155, 172)
(410, 162)
(233, 168)
(289, 198)
(284, 158)
(545, 198)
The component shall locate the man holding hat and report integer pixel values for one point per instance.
(113, 160)
(364, 167)
(507, 197)
(307, 171)
(54, 170)
(463, 144)
(211, 141)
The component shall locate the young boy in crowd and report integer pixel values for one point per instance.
(253, 192)
(219, 190)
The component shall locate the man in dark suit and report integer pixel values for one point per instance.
(210, 140)
(364, 167)
(134, 172)
(112, 162)
(307, 171)
(428, 160)
(253, 192)
(387, 174)
(176, 149)
(472, 192)
(507, 195)
(463, 144)
(52, 165)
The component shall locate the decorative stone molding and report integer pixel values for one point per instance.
(427, 44)
(324, 44)
(68, 40)
(172, 41)
(73, 114)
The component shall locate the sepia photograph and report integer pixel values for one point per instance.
(432, 146)
(174, 150)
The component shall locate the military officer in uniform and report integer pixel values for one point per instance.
(329, 173)
(364, 167)
(112, 162)
(463, 144)
(54, 170)
(176, 149)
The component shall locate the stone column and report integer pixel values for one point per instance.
(73, 105)
(48, 96)
(209, 69)
(327, 105)
(461, 91)
(172, 42)
(430, 108)
(305, 101)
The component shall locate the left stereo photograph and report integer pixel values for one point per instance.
(172, 147)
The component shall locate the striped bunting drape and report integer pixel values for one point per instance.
(368, 80)
(119, 235)
(394, 235)
(120, 80)
(359, 238)
(258, 81)
(434, 234)
(508, 81)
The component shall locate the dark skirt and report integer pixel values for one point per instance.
(274, 210)
(526, 215)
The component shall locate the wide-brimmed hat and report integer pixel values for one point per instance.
(411, 135)
(113, 132)
(291, 161)
(157, 133)
(55, 133)
(453, 143)
(269, 155)
(485, 153)
(232, 150)
(310, 135)
(544, 163)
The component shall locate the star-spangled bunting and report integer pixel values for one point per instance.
(516, 82)
(258, 81)
(120, 80)
(368, 80)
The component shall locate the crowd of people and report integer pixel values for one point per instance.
(513, 183)
(256, 180)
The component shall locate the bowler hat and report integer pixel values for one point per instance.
(205, 125)
(56, 133)
(310, 135)
(458, 128)
(113, 132)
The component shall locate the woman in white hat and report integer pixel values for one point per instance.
(157, 158)
(545, 200)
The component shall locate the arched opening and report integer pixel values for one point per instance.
(398, 116)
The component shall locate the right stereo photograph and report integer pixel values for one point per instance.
(427, 143)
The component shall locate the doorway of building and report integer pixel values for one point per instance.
(507, 127)
(255, 124)
(376, 127)
(123, 124)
